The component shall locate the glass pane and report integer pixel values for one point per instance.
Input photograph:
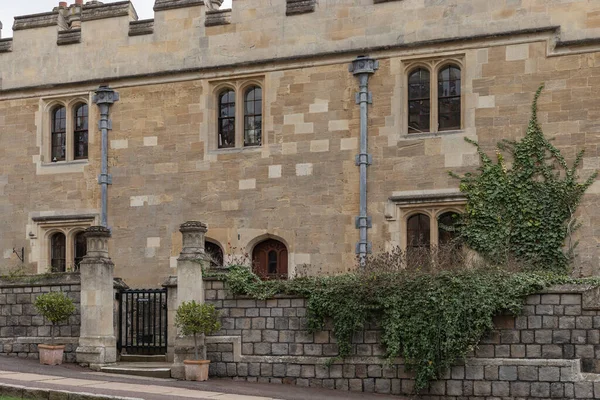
(446, 232)
(272, 260)
(249, 107)
(257, 93)
(418, 231)
(418, 116)
(449, 113)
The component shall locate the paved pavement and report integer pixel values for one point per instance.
(70, 377)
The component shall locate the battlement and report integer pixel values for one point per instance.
(106, 40)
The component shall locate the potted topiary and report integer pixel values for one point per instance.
(194, 319)
(56, 307)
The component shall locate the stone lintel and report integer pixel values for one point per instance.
(218, 17)
(71, 36)
(52, 218)
(33, 21)
(92, 12)
(161, 5)
(142, 27)
(295, 7)
(54, 279)
(6, 45)
(427, 196)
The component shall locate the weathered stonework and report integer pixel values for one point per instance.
(294, 7)
(69, 37)
(143, 27)
(163, 156)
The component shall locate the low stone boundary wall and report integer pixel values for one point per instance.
(21, 328)
(540, 354)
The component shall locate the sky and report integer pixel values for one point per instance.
(10, 8)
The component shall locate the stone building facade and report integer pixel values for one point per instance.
(247, 119)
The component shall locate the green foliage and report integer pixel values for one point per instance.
(431, 320)
(56, 307)
(524, 212)
(193, 319)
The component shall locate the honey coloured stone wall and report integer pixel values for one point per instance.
(301, 186)
(548, 352)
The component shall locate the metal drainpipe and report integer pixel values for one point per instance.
(104, 97)
(363, 67)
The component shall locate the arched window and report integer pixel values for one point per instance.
(58, 252)
(253, 116)
(449, 98)
(58, 135)
(418, 231)
(80, 249)
(446, 231)
(216, 254)
(419, 93)
(80, 133)
(270, 259)
(227, 119)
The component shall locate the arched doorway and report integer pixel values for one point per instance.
(270, 259)
(58, 252)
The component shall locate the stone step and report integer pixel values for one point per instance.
(149, 369)
(143, 358)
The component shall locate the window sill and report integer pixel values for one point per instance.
(234, 150)
(427, 135)
(65, 163)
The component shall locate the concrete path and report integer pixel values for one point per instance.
(69, 377)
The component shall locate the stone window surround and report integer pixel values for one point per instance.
(433, 203)
(70, 102)
(43, 227)
(239, 86)
(434, 66)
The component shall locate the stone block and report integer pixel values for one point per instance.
(474, 372)
(556, 390)
(540, 389)
(552, 351)
(374, 371)
(491, 372)
(279, 349)
(262, 349)
(550, 299)
(543, 336)
(313, 349)
(566, 322)
(570, 299)
(307, 371)
(355, 385)
(520, 389)
(482, 388)
(584, 390)
(251, 335)
(454, 388)
(266, 369)
(583, 322)
(527, 373)
(349, 371)
(270, 336)
(549, 322)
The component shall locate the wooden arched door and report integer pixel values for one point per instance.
(270, 259)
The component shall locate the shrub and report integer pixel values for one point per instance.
(193, 319)
(56, 307)
(526, 211)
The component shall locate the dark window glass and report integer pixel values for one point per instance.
(58, 252)
(418, 235)
(270, 259)
(449, 98)
(58, 136)
(227, 119)
(80, 249)
(419, 101)
(80, 134)
(446, 231)
(253, 116)
(215, 253)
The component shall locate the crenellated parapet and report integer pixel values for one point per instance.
(187, 35)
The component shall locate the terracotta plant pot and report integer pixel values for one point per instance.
(196, 370)
(51, 355)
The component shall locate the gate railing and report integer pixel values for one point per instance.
(143, 321)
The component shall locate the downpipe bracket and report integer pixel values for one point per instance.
(363, 158)
(363, 222)
(364, 98)
(364, 248)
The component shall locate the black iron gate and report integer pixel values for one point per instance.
(143, 321)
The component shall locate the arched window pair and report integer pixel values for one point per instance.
(418, 230)
(447, 111)
(61, 132)
(58, 251)
(252, 117)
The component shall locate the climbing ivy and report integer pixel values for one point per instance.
(524, 212)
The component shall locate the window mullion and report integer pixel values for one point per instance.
(434, 101)
(239, 117)
(70, 132)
